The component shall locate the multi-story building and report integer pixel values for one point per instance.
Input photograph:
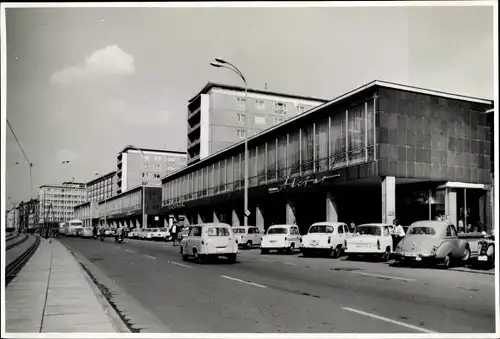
(57, 202)
(378, 152)
(29, 212)
(102, 187)
(217, 116)
(136, 168)
(11, 219)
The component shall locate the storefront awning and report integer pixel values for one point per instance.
(454, 184)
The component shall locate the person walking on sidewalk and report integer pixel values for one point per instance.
(173, 232)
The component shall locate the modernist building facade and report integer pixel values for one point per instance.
(102, 187)
(57, 202)
(126, 208)
(218, 114)
(28, 215)
(136, 168)
(376, 153)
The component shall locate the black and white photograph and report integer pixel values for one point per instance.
(249, 169)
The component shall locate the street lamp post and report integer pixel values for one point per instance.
(225, 64)
(144, 221)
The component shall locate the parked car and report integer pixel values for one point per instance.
(157, 234)
(141, 234)
(486, 257)
(133, 233)
(281, 238)
(108, 232)
(325, 238)
(247, 236)
(209, 240)
(370, 240)
(432, 241)
(87, 232)
(183, 233)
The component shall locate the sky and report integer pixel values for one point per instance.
(82, 83)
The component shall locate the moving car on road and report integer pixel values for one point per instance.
(247, 236)
(325, 238)
(87, 232)
(432, 241)
(209, 240)
(74, 227)
(133, 233)
(281, 238)
(370, 240)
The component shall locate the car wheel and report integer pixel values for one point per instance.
(249, 244)
(336, 252)
(264, 251)
(231, 258)
(466, 255)
(386, 255)
(197, 257)
(447, 261)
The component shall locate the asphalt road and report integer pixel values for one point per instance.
(292, 294)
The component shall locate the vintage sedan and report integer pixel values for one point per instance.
(434, 242)
(325, 238)
(486, 257)
(370, 240)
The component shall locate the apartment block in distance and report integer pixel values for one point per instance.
(102, 187)
(135, 169)
(63, 199)
(217, 115)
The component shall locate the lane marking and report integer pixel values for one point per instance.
(129, 251)
(290, 263)
(420, 329)
(179, 264)
(243, 281)
(150, 257)
(383, 276)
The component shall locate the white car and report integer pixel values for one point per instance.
(281, 238)
(183, 233)
(133, 233)
(247, 236)
(157, 234)
(209, 240)
(325, 238)
(87, 232)
(370, 239)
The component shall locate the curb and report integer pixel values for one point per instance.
(471, 271)
(113, 316)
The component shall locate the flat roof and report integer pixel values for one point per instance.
(71, 185)
(102, 177)
(371, 85)
(132, 190)
(144, 149)
(211, 85)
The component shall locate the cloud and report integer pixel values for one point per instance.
(111, 60)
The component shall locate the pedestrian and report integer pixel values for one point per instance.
(173, 232)
(399, 232)
(352, 226)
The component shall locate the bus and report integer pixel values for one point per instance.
(73, 227)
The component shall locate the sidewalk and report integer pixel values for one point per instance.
(53, 294)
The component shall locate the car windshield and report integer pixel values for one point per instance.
(423, 230)
(368, 230)
(277, 230)
(218, 232)
(239, 230)
(321, 229)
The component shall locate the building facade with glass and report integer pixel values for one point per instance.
(348, 160)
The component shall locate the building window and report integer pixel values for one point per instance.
(157, 157)
(144, 174)
(240, 133)
(240, 102)
(157, 166)
(300, 109)
(259, 104)
(260, 120)
(280, 107)
(145, 165)
(241, 117)
(278, 120)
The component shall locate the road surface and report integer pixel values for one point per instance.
(287, 293)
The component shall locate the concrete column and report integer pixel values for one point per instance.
(450, 204)
(290, 213)
(165, 223)
(259, 218)
(138, 223)
(199, 219)
(331, 208)
(235, 219)
(187, 220)
(216, 217)
(388, 199)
